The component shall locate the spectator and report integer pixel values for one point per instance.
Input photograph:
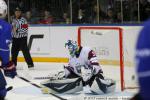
(119, 18)
(34, 11)
(95, 13)
(13, 4)
(22, 5)
(68, 21)
(48, 19)
(144, 10)
(132, 11)
(94, 16)
(109, 16)
(81, 17)
(30, 18)
(65, 18)
(20, 33)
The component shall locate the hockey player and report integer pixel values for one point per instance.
(143, 62)
(5, 39)
(82, 73)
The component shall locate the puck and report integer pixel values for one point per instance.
(9, 88)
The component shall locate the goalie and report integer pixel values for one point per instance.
(82, 73)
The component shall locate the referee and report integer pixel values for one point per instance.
(20, 34)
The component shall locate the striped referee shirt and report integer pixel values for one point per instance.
(20, 28)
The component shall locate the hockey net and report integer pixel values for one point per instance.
(110, 49)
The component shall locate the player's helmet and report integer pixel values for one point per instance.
(3, 9)
(72, 47)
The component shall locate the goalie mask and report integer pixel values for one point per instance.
(72, 47)
(3, 9)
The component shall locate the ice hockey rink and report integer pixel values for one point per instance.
(23, 90)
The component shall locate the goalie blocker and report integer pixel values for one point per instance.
(97, 85)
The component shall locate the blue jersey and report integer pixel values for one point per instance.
(143, 48)
(5, 38)
(143, 60)
(5, 35)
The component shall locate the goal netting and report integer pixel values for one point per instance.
(108, 43)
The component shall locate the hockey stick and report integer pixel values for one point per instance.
(49, 77)
(10, 87)
(26, 80)
(41, 78)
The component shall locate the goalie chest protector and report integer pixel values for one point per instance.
(81, 60)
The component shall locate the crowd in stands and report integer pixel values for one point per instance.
(82, 11)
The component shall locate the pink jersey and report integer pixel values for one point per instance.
(87, 58)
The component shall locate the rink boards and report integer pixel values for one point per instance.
(47, 43)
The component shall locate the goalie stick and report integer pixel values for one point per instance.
(40, 78)
(53, 77)
(26, 80)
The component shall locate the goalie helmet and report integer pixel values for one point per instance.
(3, 9)
(72, 47)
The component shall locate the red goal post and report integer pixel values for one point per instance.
(121, 59)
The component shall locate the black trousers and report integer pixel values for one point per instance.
(21, 44)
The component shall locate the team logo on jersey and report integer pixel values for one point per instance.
(1, 27)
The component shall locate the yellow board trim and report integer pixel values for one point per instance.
(65, 60)
(45, 59)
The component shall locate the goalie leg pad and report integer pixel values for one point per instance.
(101, 86)
(65, 86)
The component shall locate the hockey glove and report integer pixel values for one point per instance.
(10, 70)
(3, 93)
(59, 76)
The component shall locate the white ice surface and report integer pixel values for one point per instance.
(25, 91)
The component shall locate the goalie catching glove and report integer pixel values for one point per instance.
(59, 76)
